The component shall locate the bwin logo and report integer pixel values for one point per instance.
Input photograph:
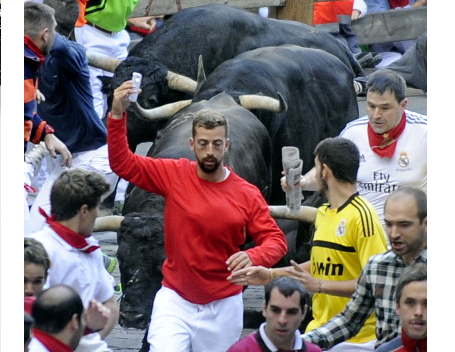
(328, 269)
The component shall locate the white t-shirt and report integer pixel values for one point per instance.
(378, 177)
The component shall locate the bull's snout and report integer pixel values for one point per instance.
(129, 320)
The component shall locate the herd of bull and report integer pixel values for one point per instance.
(279, 83)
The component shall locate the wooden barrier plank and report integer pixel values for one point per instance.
(168, 7)
(297, 10)
(392, 25)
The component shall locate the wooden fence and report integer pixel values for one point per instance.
(377, 27)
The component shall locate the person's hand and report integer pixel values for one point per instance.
(355, 15)
(253, 275)
(287, 187)
(303, 276)
(147, 23)
(54, 146)
(120, 101)
(96, 315)
(238, 261)
(40, 97)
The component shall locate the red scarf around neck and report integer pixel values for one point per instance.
(32, 46)
(50, 342)
(384, 144)
(73, 238)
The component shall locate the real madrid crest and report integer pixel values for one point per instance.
(403, 159)
(341, 229)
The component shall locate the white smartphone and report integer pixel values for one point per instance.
(137, 78)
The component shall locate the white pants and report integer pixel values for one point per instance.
(178, 325)
(353, 347)
(93, 160)
(98, 42)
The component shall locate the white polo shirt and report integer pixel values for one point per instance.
(378, 177)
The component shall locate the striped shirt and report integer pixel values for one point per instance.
(375, 291)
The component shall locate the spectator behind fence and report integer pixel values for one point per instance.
(75, 253)
(194, 285)
(384, 5)
(348, 232)
(406, 224)
(284, 309)
(336, 17)
(392, 142)
(411, 301)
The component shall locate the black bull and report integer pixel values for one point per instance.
(318, 90)
(217, 33)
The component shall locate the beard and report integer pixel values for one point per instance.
(323, 187)
(208, 168)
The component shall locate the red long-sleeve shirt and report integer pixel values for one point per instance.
(204, 222)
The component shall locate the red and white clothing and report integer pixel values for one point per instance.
(197, 246)
(205, 222)
(82, 271)
(260, 342)
(378, 177)
(43, 342)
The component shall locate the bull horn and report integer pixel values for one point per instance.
(108, 223)
(305, 213)
(103, 62)
(255, 101)
(181, 83)
(161, 112)
(200, 72)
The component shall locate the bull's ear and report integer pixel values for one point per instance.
(200, 72)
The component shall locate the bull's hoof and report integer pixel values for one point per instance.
(137, 321)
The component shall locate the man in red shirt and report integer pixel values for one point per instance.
(208, 212)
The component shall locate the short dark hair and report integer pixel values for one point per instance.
(419, 196)
(415, 272)
(55, 307)
(36, 18)
(209, 119)
(341, 155)
(287, 286)
(35, 253)
(387, 80)
(74, 188)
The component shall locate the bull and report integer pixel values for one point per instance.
(217, 33)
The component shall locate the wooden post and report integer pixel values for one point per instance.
(297, 10)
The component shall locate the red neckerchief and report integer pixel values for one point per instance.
(32, 46)
(384, 144)
(413, 345)
(398, 3)
(50, 342)
(73, 238)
